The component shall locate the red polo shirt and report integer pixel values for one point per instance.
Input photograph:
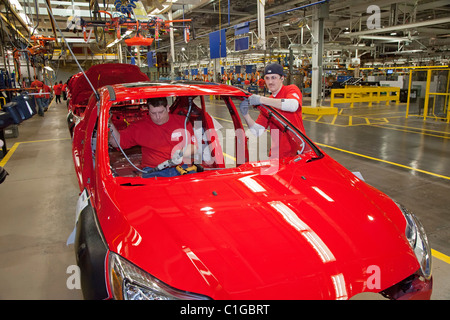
(295, 118)
(57, 88)
(47, 90)
(288, 92)
(158, 142)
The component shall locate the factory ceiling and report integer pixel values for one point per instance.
(414, 30)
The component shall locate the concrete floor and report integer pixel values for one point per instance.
(408, 159)
(38, 201)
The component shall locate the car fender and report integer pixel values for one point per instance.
(91, 253)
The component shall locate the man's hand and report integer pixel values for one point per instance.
(244, 107)
(177, 157)
(254, 100)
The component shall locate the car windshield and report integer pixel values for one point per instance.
(223, 140)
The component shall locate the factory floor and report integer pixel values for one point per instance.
(406, 158)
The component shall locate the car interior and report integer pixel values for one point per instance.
(222, 139)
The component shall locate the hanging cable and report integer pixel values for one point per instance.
(125, 155)
(71, 52)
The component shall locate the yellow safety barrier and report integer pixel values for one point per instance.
(4, 102)
(365, 94)
(436, 103)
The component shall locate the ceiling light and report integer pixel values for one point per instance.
(385, 38)
(16, 5)
(113, 43)
(126, 34)
(157, 11)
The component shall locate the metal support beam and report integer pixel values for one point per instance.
(49, 11)
(261, 25)
(172, 47)
(320, 13)
(397, 27)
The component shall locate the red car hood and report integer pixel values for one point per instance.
(310, 231)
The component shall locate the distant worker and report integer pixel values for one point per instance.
(262, 86)
(36, 83)
(64, 91)
(57, 88)
(47, 96)
(39, 97)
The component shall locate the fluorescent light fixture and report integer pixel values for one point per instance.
(127, 33)
(385, 38)
(113, 43)
(165, 5)
(76, 40)
(16, 5)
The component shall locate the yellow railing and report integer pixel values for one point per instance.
(365, 94)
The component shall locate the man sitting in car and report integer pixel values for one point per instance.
(164, 141)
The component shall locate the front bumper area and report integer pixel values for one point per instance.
(414, 287)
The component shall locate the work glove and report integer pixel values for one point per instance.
(244, 107)
(254, 100)
(177, 157)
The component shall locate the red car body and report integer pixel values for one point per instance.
(311, 230)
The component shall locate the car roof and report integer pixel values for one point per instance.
(124, 91)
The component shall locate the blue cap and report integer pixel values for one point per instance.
(274, 68)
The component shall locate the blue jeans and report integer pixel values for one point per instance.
(168, 172)
(41, 105)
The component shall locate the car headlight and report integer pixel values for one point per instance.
(415, 233)
(128, 282)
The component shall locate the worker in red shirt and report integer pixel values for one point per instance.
(39, 97)
(262, 86)
(64, 90)
(161, 137)
(47, 96)
(57, 89)
(36, 83)
(287, 99)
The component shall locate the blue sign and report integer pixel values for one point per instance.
(217, 44)
(242, 28)
(241, 44)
